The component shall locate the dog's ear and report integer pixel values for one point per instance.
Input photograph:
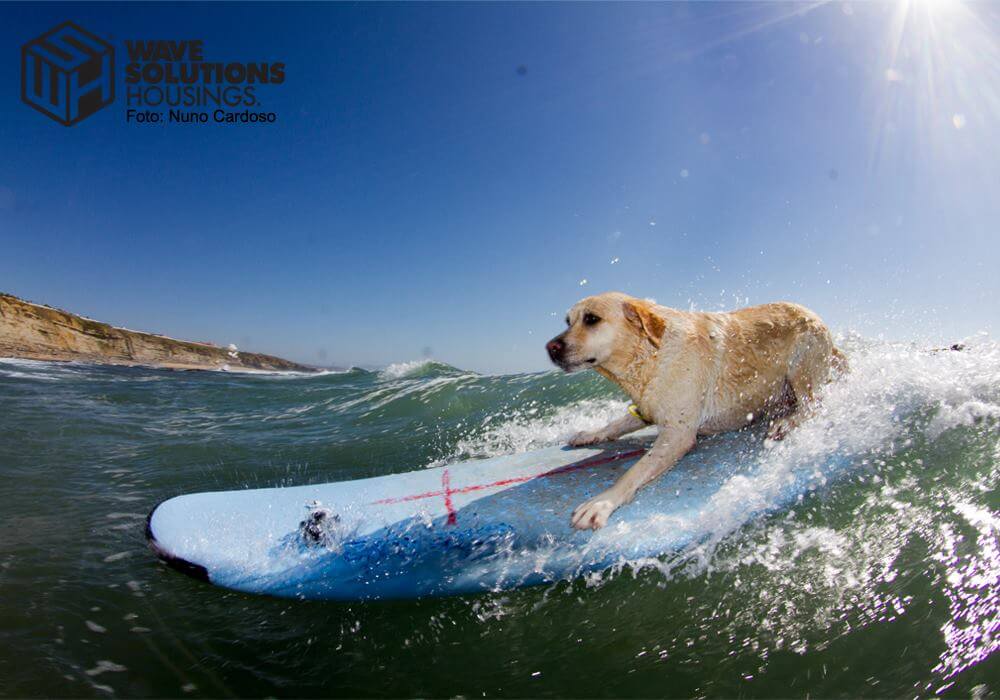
(641, 316)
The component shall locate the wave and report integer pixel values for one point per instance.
(45, 370)
(288, 374)
(415, 369)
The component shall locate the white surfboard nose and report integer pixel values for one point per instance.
(175, 562)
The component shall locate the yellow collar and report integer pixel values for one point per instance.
(634, 410)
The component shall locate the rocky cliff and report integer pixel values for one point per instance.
(43, 333)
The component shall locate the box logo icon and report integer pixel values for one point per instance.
(67, 73)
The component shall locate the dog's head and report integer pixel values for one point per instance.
(600, 327)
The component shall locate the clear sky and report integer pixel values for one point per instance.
(447, 176)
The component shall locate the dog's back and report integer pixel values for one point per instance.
(765, 356)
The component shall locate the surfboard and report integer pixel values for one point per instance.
(481, 525)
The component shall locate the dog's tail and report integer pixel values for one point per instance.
(842, 366)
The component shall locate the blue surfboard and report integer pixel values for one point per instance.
(481, 525)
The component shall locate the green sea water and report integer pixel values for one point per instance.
(881, 582)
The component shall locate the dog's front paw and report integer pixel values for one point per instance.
(594, 514)
(587, 438)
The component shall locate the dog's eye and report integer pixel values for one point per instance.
(590, 319)
(567, 321)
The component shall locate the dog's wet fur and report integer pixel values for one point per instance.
(692, 374)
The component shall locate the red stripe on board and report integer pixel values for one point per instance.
(446, 483)
(447, 491)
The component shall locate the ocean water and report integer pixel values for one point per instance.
(880, 581)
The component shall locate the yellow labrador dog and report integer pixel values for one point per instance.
(692, 374)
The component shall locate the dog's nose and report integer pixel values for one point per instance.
(556, 348)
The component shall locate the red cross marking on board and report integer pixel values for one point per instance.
(447, 491)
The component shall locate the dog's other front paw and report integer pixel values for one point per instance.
(587, 438)
(593, 514)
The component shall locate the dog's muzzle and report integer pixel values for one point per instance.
(556, 349)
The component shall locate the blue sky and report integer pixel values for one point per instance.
(419, 191)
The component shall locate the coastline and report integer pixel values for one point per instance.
(33, 331)
(176, 366)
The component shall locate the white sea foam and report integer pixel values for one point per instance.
(45, 370)
(530, 428)
(105, 666)
(287, 373)
(398, 370)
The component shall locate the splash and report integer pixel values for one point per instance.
(532, 428)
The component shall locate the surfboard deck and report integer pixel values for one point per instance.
(473, 526)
